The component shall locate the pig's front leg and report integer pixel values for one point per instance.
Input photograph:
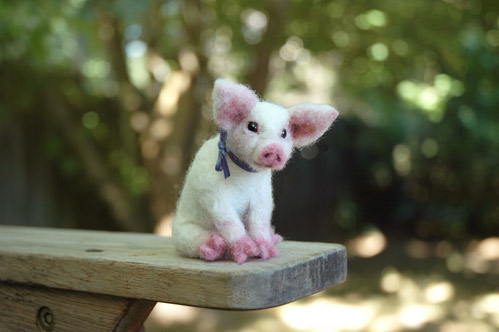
(259, 224)
(229, 225)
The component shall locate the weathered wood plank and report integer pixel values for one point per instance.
(146, 266)
(134, 315)
(31, 308)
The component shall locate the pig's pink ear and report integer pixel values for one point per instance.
(231, 103)
(309, 121)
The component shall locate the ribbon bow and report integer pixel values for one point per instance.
(223, 151)
(222, 158)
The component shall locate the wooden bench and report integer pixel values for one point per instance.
(74, 280)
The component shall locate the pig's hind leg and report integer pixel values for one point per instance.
(192, 240)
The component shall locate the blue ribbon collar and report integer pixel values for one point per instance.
(223, 151)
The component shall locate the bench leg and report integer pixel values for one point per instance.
(32, 308)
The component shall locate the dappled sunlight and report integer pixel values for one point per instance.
(483, 256)
(174, 86)
(417, 315)
(431, 99)
(439, 292)
(264, 324)
(369, 244)
(158, 67)
(409, 291)
(379, 51)
(166, 314)
(487, 305)
(371, 19)
(305, 65)
(136, 61)
(478, 256)
(391, 280)
(385, 323)
(329, 314)
(255, 23)
(157, 129)
(292, 49)
(189, 61)
(467, 326)
(488, 249)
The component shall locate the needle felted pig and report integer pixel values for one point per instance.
(226, 204)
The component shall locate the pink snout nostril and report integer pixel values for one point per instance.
(272, 156)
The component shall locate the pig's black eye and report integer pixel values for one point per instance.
(284, 133)
(253, 126)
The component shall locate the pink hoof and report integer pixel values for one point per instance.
(267, 250)
(213, 249)
(243, 249)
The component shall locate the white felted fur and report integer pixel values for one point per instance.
(239, 209)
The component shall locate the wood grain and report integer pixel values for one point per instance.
(71, 311)
(146, 266)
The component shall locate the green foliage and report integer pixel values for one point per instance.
(418, 79)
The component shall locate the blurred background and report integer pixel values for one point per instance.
(104, 103)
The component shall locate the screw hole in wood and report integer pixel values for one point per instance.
(46, 319)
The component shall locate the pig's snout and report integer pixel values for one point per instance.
(272, 156)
